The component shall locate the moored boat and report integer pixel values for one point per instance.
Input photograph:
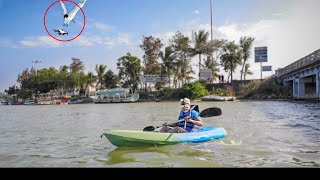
(218, 98)
(114, 96)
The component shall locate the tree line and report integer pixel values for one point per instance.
(174, 60)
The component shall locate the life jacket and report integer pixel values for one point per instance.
(187, 126)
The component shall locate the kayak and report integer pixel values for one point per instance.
(145, 138)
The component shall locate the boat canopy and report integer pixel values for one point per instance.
(112, 91)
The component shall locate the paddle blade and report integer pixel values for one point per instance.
(210, 112)
(149, 128)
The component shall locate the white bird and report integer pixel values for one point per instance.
(68, 17)
(61, 32)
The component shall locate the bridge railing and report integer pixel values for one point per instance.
(305, 61)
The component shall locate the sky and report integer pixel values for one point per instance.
(289, 28)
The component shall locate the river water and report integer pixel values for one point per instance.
(260, 134)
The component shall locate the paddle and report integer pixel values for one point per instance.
(209, 112)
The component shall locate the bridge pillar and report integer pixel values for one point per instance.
(298, 88)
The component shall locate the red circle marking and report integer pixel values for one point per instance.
(45, 26)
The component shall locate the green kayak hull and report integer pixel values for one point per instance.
(144, 138)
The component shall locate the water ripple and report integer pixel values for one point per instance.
(260, 134)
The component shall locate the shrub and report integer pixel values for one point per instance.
(245, 89)
(195, 90)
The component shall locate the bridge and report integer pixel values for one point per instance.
(303, 75)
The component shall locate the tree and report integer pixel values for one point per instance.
(63, 79)
(64, 68)
(101, 71)
(45, 80)
(200, 41)
(84, 81)
(76, 65)
(212, 65)
(246, 71)
(231, 58)
(245, 46)
(151, 47)
(111, 80)
(213, 52)
(12, 90)
(168, 57)
(25, 74)
(183, 52)
(129, 71)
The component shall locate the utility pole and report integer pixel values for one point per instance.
(211, 19)
(36, 62)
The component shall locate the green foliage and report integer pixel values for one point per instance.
(151, 47)
(231, 58)
(101, 71)
(129, 71)
(12, 90)
(165, 92)
(159, 85)
(220, 92)
(111, 80)
(24, 94)
(195, 90)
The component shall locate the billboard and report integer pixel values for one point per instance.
(261, 54)
(205, 74)
(266, 68)
(154, 78)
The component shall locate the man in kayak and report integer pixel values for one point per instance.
(190, 115)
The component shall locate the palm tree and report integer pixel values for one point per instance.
(212, 65)
(245, 46)
(101, 71)
(129, 70)
(168, 58)
(84, 81)
(200, 41)
(231, 58)
(183, 53)
(111, 80)
(246, 71)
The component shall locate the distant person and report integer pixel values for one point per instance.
(190, 113)
(222, 78)
(219, 78)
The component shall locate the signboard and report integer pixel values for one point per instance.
(261, 54)
(154, 78)
(266, 68)
(205, 74)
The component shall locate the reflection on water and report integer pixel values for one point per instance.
(260, 134)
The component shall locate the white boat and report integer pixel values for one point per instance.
(218, 98)
(118, 95)
(30, 102)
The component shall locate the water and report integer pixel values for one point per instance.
(260, 134)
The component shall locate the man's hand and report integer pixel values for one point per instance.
(188, 119)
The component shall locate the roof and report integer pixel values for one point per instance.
(113, 91)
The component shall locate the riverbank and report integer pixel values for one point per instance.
(269, 89)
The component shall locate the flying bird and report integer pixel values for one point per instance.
(68, 17)
(61, 32)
